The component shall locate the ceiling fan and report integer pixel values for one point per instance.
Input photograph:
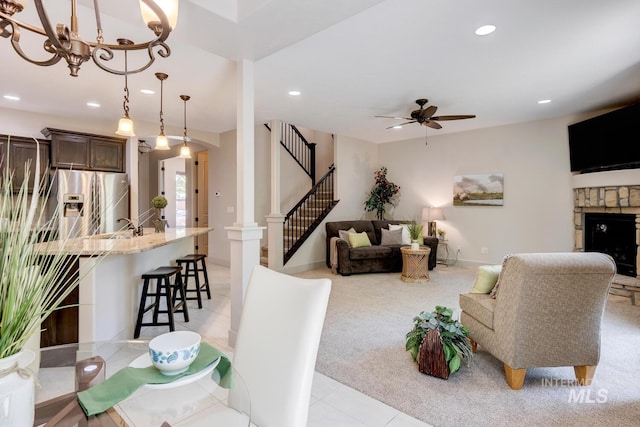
(425, 116)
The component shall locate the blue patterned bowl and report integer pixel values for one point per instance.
(173, 352)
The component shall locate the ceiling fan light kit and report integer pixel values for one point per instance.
(425, 116)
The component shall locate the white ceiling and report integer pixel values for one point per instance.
(352, 60)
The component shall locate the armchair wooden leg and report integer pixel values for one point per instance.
(474, 345)
(584, 374)
(515, 377)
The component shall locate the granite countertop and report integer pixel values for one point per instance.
(121, 243)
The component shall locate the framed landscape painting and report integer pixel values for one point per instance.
(478, 190)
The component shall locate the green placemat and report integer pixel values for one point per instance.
(123, 383)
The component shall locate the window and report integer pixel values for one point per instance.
(181, 199)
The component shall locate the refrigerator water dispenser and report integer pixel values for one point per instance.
(73, 204)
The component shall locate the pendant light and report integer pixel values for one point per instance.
(125, 125)
(185, 152)
(162, 143)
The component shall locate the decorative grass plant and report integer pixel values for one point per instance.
(33, 279)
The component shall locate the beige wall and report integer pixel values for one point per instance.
(534, 158)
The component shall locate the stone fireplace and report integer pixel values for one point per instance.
(624, 203)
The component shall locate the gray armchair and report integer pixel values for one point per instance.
(547, 313)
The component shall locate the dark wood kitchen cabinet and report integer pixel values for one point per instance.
(62, 326)
(78, 150)
(16, 151)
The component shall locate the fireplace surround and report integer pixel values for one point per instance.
(592, 205)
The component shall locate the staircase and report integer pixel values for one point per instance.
(307, 215)
(309, 212)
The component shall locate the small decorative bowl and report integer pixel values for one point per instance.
(173, 352)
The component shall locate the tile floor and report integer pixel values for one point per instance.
(332, 403)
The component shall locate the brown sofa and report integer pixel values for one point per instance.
(374, 258)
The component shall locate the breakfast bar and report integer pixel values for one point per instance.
(110, 269)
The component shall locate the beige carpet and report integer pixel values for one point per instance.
(362, 346)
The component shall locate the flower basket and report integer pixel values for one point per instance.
(431, 358)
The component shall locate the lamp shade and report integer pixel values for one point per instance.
(425, 214)
(125, 127)
(169, 7)
(162, 143)
(435, 214)
(185, 152)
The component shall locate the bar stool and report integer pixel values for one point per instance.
(192, 268)
(163, 288)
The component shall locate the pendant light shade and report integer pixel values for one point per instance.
(162, 143)
(185, 152)
(125, 125)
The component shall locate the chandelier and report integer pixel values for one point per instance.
(64, 42)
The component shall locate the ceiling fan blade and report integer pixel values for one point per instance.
(401, 124)
(393, 117)
(429, 111)
(433, 125)
(458, 117)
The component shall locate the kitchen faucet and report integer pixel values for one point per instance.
(130, 226)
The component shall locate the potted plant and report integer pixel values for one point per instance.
(382, 193)
(441, 233)
(415, 232)
(438, 343)
(159, 202)
(33, 280)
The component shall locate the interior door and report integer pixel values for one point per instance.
(202, 200)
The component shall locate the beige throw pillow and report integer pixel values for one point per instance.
(494, 291)
(344, 234)
(391, 237)
(406, 237)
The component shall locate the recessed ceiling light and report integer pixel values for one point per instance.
(147, 91)
(294, 92)
(397, 127)
(544, 101)
(485, 29)
(12, 97)
(93, 104)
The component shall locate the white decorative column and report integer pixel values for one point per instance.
(275, 219)
(245, 234)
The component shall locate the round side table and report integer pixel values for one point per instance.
(415, 264)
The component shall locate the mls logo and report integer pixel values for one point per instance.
(583, 395)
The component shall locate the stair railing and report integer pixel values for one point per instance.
(302, 151)
(305, 216)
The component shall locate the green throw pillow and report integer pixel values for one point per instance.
(358, 240)
(486, 278)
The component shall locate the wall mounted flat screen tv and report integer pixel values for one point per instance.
(607, 142)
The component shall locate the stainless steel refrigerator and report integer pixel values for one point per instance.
(90, 202)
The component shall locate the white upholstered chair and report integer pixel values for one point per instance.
(277, 345)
